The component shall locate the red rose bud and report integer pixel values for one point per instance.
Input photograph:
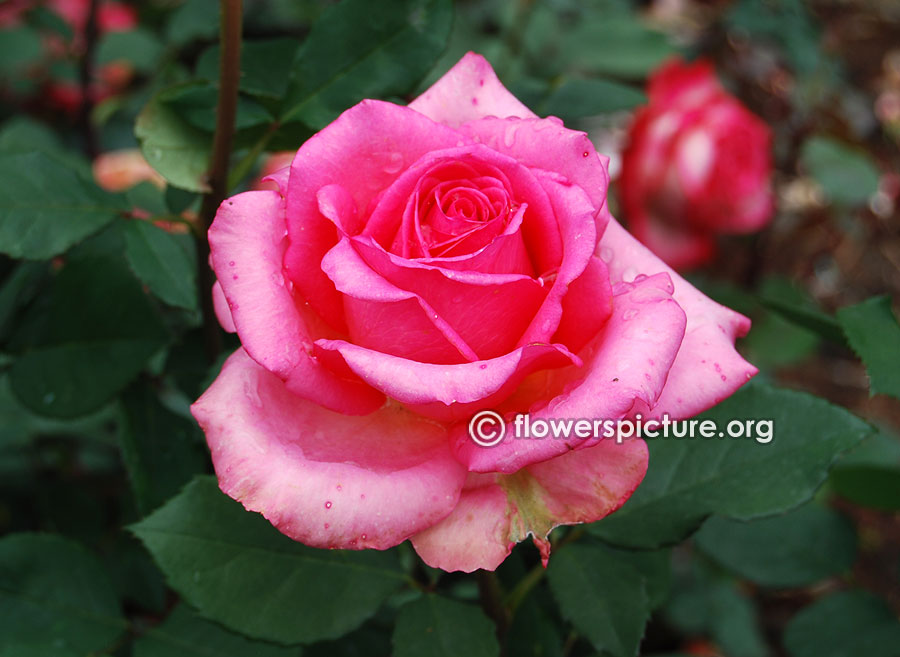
(697, 164)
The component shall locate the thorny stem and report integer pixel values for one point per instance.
(226, 109)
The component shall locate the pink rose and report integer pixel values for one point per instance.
(416, 265)
(697, 164)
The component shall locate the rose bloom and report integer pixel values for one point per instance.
(415, 266)
(697, 164)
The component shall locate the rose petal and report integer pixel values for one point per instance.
(575, 216)
(570, 489)
(220, 305)
(247, 245)
(469, 90)
(586, 306)
(546, 144)
(538, 221)
(385, 318)
(325, 479)
(626, 364)
(488, 311)
(448, 392)
(364, 150)
(708, 368)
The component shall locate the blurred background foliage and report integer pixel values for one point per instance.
(117, 542)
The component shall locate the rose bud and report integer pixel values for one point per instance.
(697, 164)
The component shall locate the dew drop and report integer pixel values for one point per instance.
(606, 254)
(647, 294)
(231, 263)
(235, 277)
(327, 505)
(585, 154)
(395, 163)
(363, 537)
(339, 487)
(724, 378)
(509, 136)
(483, 366)
(327, 525)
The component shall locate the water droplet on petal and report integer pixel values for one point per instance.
(606, 254)
(327, 505)
(394, 164)
(509, 136)
(483, 366)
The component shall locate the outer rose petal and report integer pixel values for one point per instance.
(625, 365)
(572, 488)
(247, 246)
(325, 479)
(223, 312)
(708, 368)
(470, 90)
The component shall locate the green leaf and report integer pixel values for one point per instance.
(139, 47)
(358, 50)
(93, 333)
(716, 608)
(161, 450)
(578, 97)
(784, 298)
(186, 634)
(847, 175)
(874, 335)
(54, 596)
(870, 475)
(602, 595)
(240, 571)
(19, 46)
(165, 262)
(434, 626)
(179, 151)
(846, 623)
(265, 66)
(45, 207)
(195, 103)
(775, 551)
(739, 478)
(194, 19)
(617, 44)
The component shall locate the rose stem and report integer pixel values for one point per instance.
(491, 595)
(85, 74)
(226, 109)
